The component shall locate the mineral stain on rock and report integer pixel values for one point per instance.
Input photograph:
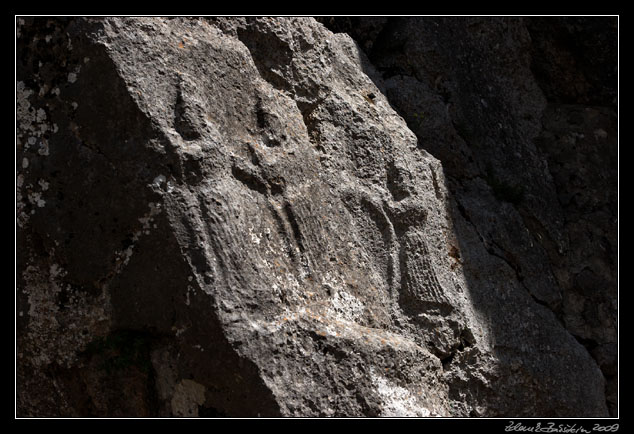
(363, 216)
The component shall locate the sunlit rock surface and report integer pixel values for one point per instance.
(249, 217)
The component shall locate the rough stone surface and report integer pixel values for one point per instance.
(260, 217)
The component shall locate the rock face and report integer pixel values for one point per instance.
(522, 115)
(260, 217)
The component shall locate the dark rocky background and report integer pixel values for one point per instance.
(346, 216)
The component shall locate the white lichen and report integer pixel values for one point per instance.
(346, 306)
(159, 180)
(397, 401)
(36, 199)
(40, 115)
(43, 90)
(32, 126)
(43, 148)
(123, 256)
(44, 339)
(255, 239)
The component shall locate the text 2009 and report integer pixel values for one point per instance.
(605, 428)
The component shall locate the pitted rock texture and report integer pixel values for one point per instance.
(522, 114)
(227, 217)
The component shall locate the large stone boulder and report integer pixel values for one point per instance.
(227, 217)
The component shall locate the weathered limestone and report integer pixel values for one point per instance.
(227, 217)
